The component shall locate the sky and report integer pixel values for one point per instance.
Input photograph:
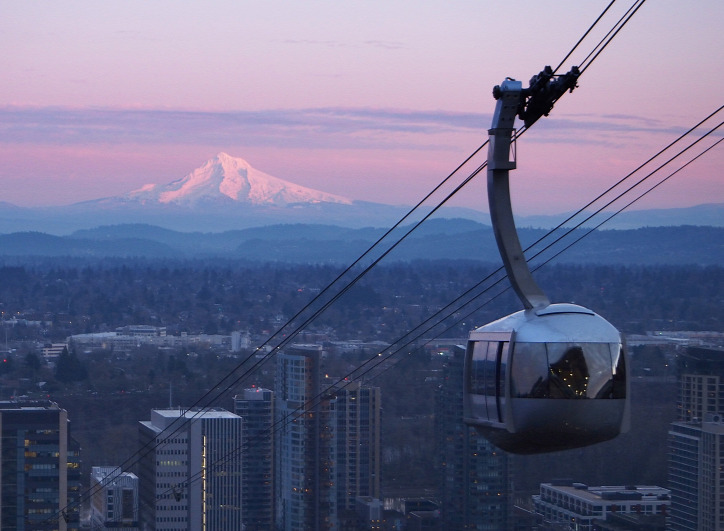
(375, 101)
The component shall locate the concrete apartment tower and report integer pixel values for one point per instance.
(354, 429)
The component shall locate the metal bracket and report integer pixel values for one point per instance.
(501, 159)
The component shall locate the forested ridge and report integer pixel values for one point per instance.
(219, 297)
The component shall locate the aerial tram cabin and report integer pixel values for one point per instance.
(552, 376)
(546, 380)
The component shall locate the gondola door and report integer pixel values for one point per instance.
(486, 379)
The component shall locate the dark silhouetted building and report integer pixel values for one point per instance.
(39, 468)
(475, 477)
(256, 407)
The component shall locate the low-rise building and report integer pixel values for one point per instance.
(114, 499)
(52, 351)
(130, 340)
(566, 502)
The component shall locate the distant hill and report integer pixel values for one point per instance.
(709, 215)
(436, 239)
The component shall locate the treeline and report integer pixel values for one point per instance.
(217, 298)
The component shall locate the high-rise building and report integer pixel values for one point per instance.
(684, 446)
(302, 470)
(475, 477)
(701, 383)
(114, 499)
(39, 468)
(327, 444)
(190, 470)
(256, 407)
(354, 422)
(696, 443)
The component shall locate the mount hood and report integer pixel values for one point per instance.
(227, 180)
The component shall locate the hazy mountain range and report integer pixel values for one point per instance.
(226, 193)
(436, 239)
(226, 208)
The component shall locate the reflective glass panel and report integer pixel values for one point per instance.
(477, 369)
(619, 372)
(572, 370)
(484, 380)
(477, 399)
(502, 367)
(580, 370)
(600, 364)
(490, 372)
(529, 371)
(491, 376)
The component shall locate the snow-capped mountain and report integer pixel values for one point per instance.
(230, 179)
(227, 193)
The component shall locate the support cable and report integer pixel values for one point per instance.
(178, 424)
(358, 376)
(285, 341)
(583, 37)
(613, 32)
(358, 260)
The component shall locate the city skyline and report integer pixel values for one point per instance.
(375, 102)
(101, 414)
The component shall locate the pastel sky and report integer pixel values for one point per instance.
(373, 100)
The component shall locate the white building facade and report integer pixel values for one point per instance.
(578, 505)
(191, 478)
(114, 499)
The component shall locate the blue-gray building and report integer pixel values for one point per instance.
(256, 407)
(327, 444)
(354, 428)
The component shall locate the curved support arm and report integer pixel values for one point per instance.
(500, 162)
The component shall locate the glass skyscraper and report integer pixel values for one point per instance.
(302, 479)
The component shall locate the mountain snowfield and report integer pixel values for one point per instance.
(226, 178)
